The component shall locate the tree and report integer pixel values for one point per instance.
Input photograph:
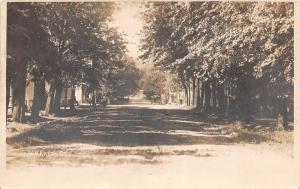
(75, 30)
(55, 43)
(23, 36)
(234, 49)
(125, 82)
(153, 82)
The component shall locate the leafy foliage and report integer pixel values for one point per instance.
(66, 44)
(153, 82)
(248, 46)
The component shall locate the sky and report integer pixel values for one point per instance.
(130, 23)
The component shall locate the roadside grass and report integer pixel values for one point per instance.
(242, 134)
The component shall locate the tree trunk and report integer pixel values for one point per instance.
(282, 119)
(57, 98)
(18, 86)
(207, 96)
(38, 99)
(8, 85)
(198, 94)
(229, 103)
(66, 98)
(189, 94)
(214, 95)
(202, 94)
(93, 100)
(186, 95)
(73, 99)
(244, 102)
(183, 83)
(50, 98)
(221, 99)
(194, 91)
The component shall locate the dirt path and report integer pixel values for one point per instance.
(238, 166)
(144, 146)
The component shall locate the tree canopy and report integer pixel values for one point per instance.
(247, 45)
(65, 44)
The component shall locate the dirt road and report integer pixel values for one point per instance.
(143, 146)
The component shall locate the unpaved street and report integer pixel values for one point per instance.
(154, 146)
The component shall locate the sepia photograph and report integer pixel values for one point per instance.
(149, 94)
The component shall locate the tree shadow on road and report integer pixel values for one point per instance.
(126, 134)
(132, 126)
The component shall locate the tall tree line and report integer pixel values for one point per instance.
(232, 58)
(62, 44)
